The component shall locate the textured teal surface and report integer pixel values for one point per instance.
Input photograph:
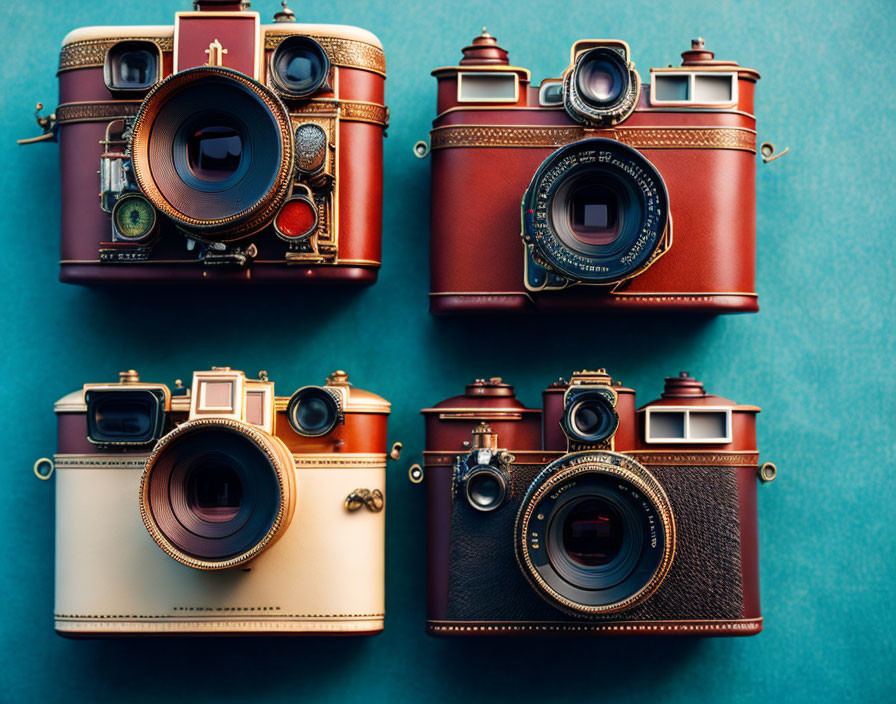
(817, 359)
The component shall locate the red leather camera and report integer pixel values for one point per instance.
(626, 194)
(226, 150)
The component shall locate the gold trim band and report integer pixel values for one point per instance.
(348, 53)
(527, 136)
(102, 111)
(91, 53)
(741, 626)
(706, 459)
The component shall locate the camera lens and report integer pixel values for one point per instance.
(131, 66)
(595, 533)
(312, 411)
(601, 77)
(485, 488)
(213, 150)
(215, 493)
(124, 416)
(590, 417)
(299, 67)
(605, 211)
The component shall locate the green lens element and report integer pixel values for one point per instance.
(134, 217)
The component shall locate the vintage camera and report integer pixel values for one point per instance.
(221, 149)
(592, 517)
(593, 168)
(219, 508)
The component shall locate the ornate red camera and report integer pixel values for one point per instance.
(634, 195)
(226, 150)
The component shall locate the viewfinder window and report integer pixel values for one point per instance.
(487, 88)
(693, 88)
(668, 424)
(216, 396)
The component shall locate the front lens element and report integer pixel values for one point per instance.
(601, 77)
(486, 488)
(591, 533)
(299, 67)
(312, 411)
(214, 491)
(214, 152)
(590, 417)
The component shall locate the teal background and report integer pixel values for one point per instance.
(817, 359)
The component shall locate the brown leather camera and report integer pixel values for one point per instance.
(592, 517)
(227, 150)
(593, 190)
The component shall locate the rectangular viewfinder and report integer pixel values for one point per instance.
(713, 89)
(686, 424)
(698, 89)
(665, 425)
(255, 407)
(671, 88)
(709, 425)
(487, 87)
(124, 416)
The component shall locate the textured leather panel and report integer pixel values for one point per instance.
(704, 582)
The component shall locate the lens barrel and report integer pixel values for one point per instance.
(602, 88)
(216, 492)
(590, 416)
(299, 67)
(313, 411)
(596, 211)
(213, 150)
(595, 533)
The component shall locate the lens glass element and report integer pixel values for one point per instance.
(601, 80)
(590, 416)
(312, 411)
(214, 492)
(485, 488)
(300, 67)
(214, 152)
(592, 533)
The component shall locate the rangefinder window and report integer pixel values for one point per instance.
(132, 66)
(313, 411)
(125, 417)
(299, 67)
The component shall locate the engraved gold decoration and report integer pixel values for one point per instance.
(216, 53)
(68, 113)
(555, 137)
(699, 459)
(349, 53)
(91, 53)
(753, 625)
(373, 500)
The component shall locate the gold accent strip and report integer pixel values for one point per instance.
(91, 53)
(349, 53)
(122, 461)
(339, 262)
(622, 294)
(747, 625)
(348, 110)
(724, 459)
(538, 137)
(96, 111)
(340, 461)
